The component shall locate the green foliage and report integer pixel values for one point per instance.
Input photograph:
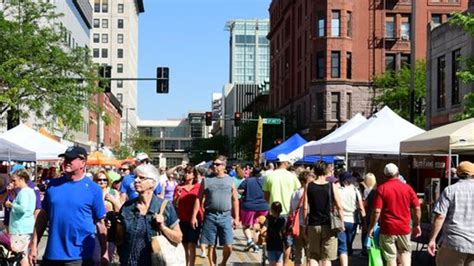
(466, 75)
(207, 149)
(394, 92)
(39, 73)
(137, 142)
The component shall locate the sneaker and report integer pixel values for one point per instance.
(203, 255)
(255, 248)
(250, 245)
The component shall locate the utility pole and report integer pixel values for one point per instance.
(412, 59)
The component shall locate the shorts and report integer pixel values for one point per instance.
(275, 256)
(249, 218)
(217, 225)
(19, 243)
(322, 243)
(190, 235)
(391, 245)
(300, 245)
(447, 256)
(346, 238)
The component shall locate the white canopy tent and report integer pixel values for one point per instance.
(353, 123)
(457, 138)
(11, 151)
(381, 134)
(30, 139)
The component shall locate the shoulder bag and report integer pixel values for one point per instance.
(164, 251)
(358, 219)
(336, 222)
(293, 221)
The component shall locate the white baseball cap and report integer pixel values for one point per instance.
(283, 158)
(390, 170)
(141, 156)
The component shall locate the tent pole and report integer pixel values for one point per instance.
(449, 167)
(347, 161)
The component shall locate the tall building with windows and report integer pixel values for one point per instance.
(445, 93)
(324, 54)
(249, 50)
(114, 42)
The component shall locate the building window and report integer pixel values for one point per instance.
(405, 28)
(335, 106)
(105, 38)
(390, 62)
(319, 106)
(348, 106)
(321, 24)
(96, 38)
(335, 64)
(349, 65)
(336, 23)
(119, 83)
(96, 23)
(390, 26)
(105, 6)
(119, 68)
(349, 24)
(456, 67)
(120, 8)
(120, 53)
(120, 97)
(441, 86)
(120, 23)
(96, 53)
(320, 65)
(105, 23)
(120, 38)
(105, 53)
(97, 6)
(436, 20)
(405, 60)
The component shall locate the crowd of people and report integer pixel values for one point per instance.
(94, 219)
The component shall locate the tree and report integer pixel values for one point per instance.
(466, 75)
(39, 73)
(395, 91)
(137, 142)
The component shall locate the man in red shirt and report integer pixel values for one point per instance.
(392, 203)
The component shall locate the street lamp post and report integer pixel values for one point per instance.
(126, 122)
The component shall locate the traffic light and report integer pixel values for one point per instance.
(237, 119)
(105, 73)
(162, 82)
(208, 118)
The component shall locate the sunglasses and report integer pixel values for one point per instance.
(142, 178)
(102, 180)
(124, 169)
(217, 164)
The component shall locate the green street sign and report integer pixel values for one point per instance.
(271, 121)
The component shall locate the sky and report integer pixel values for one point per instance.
(188, 36)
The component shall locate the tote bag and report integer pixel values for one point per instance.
(375, 255)
(165, 252)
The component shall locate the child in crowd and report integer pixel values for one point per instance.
(274, 230)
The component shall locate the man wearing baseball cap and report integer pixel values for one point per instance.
(127, 188)
(454, 211)
(74, 208)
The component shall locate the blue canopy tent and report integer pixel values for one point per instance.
(290, 145)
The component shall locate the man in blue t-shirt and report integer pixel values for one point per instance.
(74, 208)
(127, 188)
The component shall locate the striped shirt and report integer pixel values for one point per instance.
(456, 203)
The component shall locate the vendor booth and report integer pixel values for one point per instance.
(294, 142)
(12, 152)
(45, 148)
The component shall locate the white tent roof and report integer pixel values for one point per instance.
(312, 147)
(12, 151)
(30, 139)
(381, 134)
(458, 136)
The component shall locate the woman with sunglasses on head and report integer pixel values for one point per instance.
(112, 206)
(184, 198)
(140, 219)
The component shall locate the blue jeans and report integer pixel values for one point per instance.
(346, 238)
(217, 225)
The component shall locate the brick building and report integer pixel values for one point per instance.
(109, 133)
(324, 54)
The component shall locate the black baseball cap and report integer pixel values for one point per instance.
(74, 152)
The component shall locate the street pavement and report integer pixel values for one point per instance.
(240, 257)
